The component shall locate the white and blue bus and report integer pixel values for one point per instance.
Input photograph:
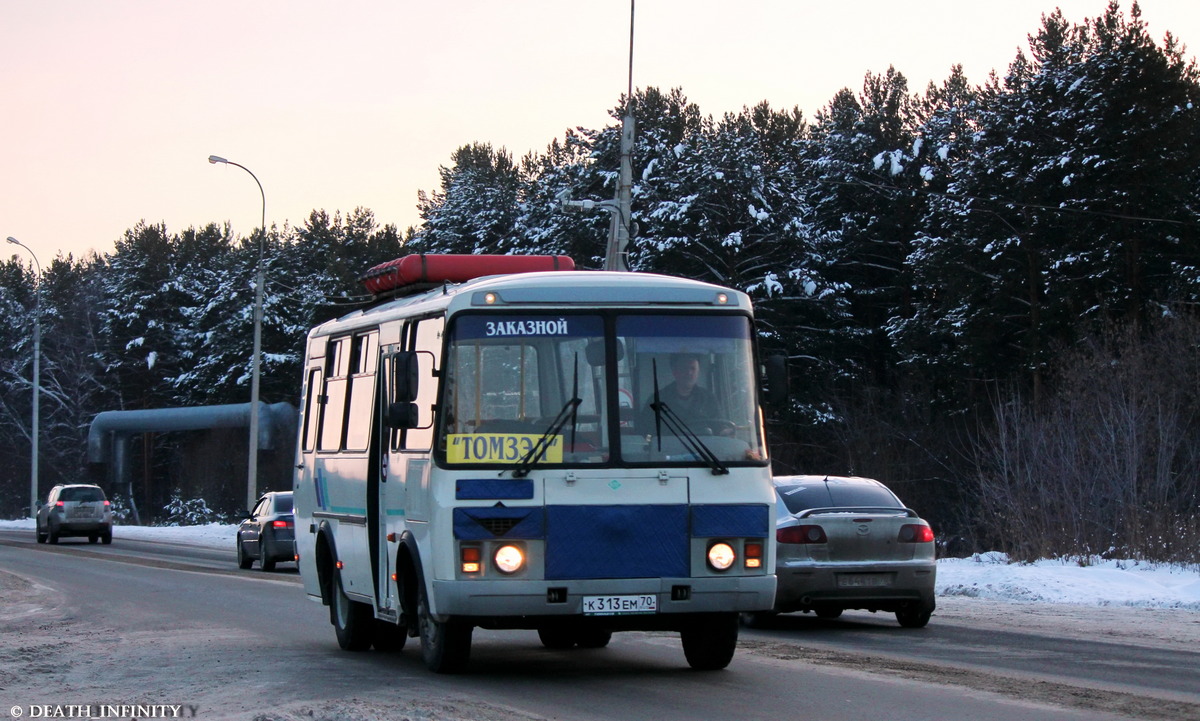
(506, 443)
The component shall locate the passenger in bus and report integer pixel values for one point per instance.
(691, 402)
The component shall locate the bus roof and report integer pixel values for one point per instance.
(550, 290)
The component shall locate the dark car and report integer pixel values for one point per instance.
(850, 543)
(269, 534)
(75, 509)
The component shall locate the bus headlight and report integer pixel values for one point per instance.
(509, 559)
(721, 556)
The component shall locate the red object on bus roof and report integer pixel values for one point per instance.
(424, 270)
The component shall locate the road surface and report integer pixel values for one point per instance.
(150, 623)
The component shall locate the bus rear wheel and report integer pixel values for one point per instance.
(352, 620)
(445, 645)
(709, 641)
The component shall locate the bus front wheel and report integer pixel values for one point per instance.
(445, 645)
(709, 641)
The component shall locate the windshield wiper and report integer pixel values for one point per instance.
(664, 415)
(525, 465)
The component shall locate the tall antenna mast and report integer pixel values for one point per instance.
(629, 89)
(616, 256)
(618, 236)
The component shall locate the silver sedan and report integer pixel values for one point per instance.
(850, 543)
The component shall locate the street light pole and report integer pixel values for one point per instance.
(37, 378)
(252, 467)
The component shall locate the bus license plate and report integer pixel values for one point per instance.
(619, 605)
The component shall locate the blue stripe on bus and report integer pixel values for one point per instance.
(471, 489)
(744, 521)
(617, 542)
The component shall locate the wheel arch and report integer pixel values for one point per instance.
(409, 573)
(325, 550)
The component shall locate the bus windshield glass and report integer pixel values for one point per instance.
(510, 389)
(689, 384)
(528, 390)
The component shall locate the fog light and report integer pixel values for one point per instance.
(721, 556)
(509, 559)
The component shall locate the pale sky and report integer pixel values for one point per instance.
(109, 110)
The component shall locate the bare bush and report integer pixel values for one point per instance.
(1109, 464)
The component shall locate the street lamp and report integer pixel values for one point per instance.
(252, 472)
(37, 378)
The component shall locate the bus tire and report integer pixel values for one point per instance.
(445, 646)
(352, 620)
(709, 641)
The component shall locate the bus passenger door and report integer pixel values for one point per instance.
(391, 483)
(406, 435)
(343, 469)
(304, 480)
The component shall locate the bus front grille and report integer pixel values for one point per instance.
(617, 542)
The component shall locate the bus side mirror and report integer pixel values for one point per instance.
(776, 371)
(406, 379)
(402, 414)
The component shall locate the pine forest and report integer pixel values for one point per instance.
(987, 292)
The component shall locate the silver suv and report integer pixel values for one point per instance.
(75, 510)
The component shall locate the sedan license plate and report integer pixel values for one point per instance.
(864, 580)
(619, 605)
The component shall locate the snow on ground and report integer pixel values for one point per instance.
(1102, 583)
(988, 576)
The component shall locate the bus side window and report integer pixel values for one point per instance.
(312, 409)
(337, 372)
(363, 361)
(427, 342)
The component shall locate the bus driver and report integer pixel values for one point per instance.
(685, 397)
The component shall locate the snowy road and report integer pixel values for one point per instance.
(249, 644)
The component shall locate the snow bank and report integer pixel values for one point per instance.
(1103, 583)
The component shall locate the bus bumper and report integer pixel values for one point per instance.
(487, 598)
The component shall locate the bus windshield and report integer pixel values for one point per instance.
(530, 390)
